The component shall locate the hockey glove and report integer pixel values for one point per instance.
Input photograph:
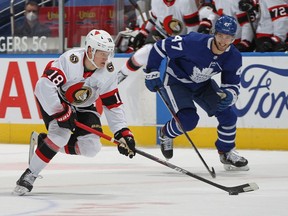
(66, 118)
(153, 81)
(246, 5)
(244, 46)
(228, 98)
(139, 39)
(205, 26)
(127, 142)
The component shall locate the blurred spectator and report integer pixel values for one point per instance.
(167, 18)
(31, 26)
(273, 26)
(211, 10)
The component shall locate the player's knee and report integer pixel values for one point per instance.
(89, 146)
(188, 118)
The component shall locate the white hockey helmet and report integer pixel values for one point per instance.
(98, 40)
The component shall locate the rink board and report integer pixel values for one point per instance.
(261, 107)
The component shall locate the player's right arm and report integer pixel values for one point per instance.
(46, 89)
(171, 47)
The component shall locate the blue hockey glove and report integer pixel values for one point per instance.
(127, 142)
(153, 81)
(228, 98)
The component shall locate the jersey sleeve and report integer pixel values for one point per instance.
(191, 16)
(113, 105)
(47, 95)
(231, 74)
(171, 47)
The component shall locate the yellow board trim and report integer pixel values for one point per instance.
(247, 138)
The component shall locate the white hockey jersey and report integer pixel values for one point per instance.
(66, 78)
(174, 17)
(231, 8)
(273, 19)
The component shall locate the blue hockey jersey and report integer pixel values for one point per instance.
(192, 62)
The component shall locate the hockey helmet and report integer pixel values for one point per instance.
(226, 25)
(98, 40)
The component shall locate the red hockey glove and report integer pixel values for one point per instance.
(66, 118)
(127, 142)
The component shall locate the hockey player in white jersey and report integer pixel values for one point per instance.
(167, 18)
(192, 61)
(272, 30)
(244, 37)
(66, 92)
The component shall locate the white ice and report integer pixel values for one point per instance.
(113, 185)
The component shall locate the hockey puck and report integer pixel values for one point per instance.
(233, 193)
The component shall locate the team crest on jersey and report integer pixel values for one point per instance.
(74, 59)
(172, 26)
(77, 94)
(82, 95)
(110, 67)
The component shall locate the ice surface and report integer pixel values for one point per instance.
(113, 185)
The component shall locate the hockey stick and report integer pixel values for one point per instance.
(252, 28)
(159, 90)
(231, 190)
(136, 6)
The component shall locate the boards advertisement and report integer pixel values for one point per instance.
(262, 106)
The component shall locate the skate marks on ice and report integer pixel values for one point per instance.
(113, 185)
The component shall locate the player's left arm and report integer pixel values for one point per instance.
(230, 79)
(170, 47)
(112, 106)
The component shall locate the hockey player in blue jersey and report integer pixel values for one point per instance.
(192, 60)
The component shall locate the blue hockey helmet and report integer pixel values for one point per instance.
(226, 25)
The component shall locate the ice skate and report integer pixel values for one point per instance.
(233, 161)
(24, 183)
(166, 144)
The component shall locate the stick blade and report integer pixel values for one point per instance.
(243, 188)
(252, 187)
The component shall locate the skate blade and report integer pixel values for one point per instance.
(229, 167)
(33, 142)
(20, 190)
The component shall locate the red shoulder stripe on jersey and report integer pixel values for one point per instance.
(111, 99)
(191, 19)
(55, 75)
